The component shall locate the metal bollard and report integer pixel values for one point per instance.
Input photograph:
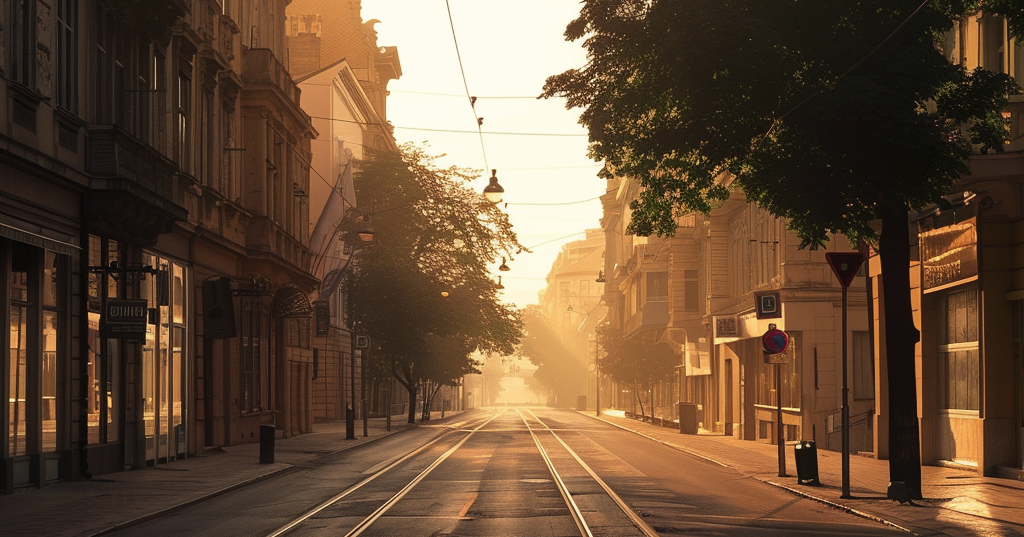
(267, 435)
(350, 423)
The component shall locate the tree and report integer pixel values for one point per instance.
(637, 361)
(557, 367)
(829, 114)
(423, 291)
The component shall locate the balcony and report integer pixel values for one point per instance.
(651, 315)
(134, 188)
(261, 71)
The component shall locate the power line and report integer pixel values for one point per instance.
(472, 100)
(458, 131)
(532, 98)
(557, 239)
(560, 203)
(497, 133)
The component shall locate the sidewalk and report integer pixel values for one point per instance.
(112, 501)
(956, 502)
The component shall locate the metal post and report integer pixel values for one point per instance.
(350, 411)
(778, 418)
(597, 369)
(846, 413)
(362, 391)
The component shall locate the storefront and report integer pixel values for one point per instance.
(37, 439)
(138, 372)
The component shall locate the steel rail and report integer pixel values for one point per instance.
(341, 495)
(562, 488)
(635, 518)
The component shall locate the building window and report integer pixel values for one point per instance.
(255, 357)
(184, 124)
(863, 367)
(958, 351)
(67, 55)
(227, 186)
(691, 291)
(23, 41)
(657, 287)
(790, 372)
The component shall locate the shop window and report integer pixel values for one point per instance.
(17, 423)
(104, 358)
(37, 350)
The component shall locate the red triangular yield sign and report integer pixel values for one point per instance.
(845, 265)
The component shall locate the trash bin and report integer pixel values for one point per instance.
(581, 402)
(687, 418)
(806, 455)
(267, 435)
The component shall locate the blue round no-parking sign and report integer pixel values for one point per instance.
(775, 341)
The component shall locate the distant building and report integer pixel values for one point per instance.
(571, 302)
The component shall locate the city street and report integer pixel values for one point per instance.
(510, 471)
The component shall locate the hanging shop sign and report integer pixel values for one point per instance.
(126, 318)
(949, 255)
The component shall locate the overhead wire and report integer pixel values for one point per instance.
(472, 100)
(368, 124)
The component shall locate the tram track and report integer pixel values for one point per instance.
(331, 511)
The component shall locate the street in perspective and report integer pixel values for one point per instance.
(505, 470)
(537, 268)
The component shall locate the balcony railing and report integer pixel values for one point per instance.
(651, 315)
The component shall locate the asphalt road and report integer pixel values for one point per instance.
(527, 471)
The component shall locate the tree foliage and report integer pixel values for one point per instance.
(830, 114)
(423, 291)
(633, 360)
(558, 369)
(780, 97)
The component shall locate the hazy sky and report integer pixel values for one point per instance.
(507, 50)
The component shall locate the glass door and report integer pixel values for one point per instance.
(165, 374)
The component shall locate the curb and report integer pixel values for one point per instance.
(830, 503)
(279, 472)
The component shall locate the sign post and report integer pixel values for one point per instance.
(845, 266)
(775, 343)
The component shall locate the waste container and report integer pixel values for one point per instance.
(581, 402)
(687, 418)
(267, 435)
(806, 455)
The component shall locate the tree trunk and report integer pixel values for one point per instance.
(411, 389)
(901, 336)
(636, 389)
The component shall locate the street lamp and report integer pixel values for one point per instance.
(493, 191)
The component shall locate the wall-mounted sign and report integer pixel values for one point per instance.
(768, 305)
(322, 316)
(726, 327)
(126, 318)
(949, 254)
